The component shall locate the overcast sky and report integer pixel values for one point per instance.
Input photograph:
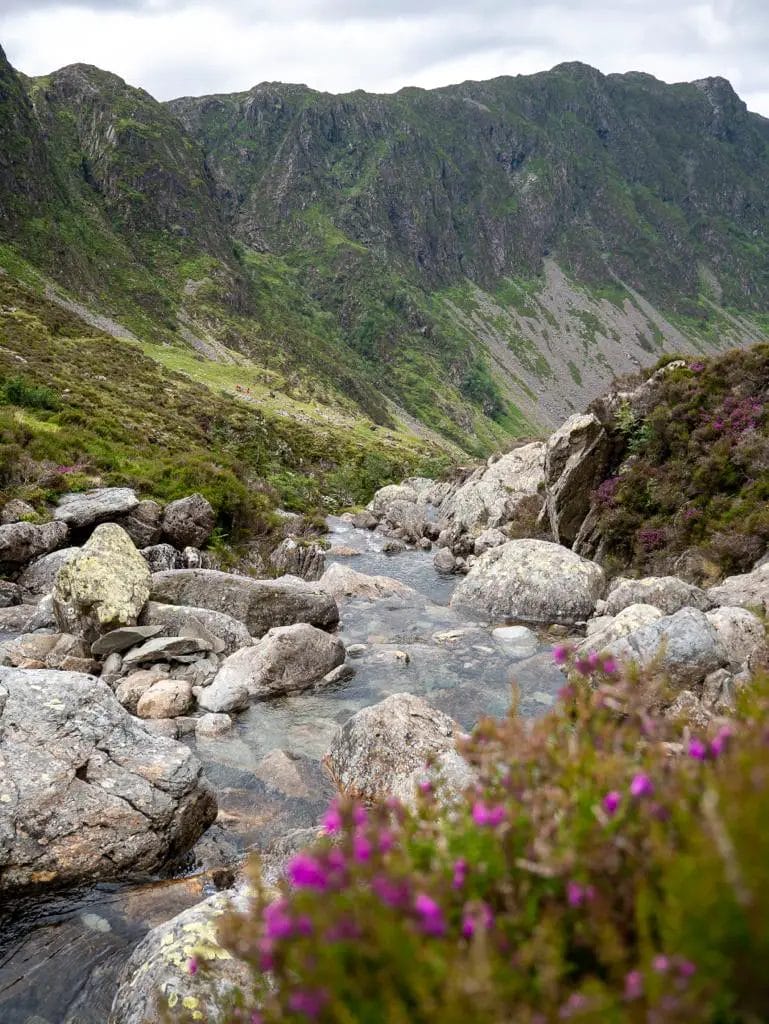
(192, 47)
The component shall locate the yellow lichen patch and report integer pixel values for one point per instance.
(190, 1002)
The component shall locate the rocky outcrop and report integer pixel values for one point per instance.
(85, 792)
(341, 582)
(259, 604)
(742, 636)
(668, 593)
(285, 660)
(21, 542)
(531, 581)
(188, 522)
(748, 590)
(383, 750)
(83, 510)
(576, 458)
(294, 559)
(385, 496)
(103, 587)
(181, 620)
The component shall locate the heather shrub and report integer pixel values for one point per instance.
(609, 865)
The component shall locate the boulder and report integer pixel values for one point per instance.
(168, 698)
(393, 546)
(531, 581)
(488, 539)
(17, 617)
(189, 522)
(85, 793)
(143, 524)
(83, 510)
(10, 594)
(17, 511)
(21, 542)
(287, 659)
(406, 516)
(444, 561)
(383, 750)
(259, 604)
(225, 634)
(385, 496)
(304, 560)
(211, 725)
(517, 641)
(494, 497)
(103, 587)
(162, 557)
(604, 631)
(668, 593)
(685, 646)
(39, 576)
(576, 459)
(340, 582)
(742, 636)
(41, 615)
(129, 690)
(166, 648)
(748, 590)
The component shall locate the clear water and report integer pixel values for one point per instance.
(60, 957)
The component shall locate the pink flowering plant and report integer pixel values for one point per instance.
(610, 864)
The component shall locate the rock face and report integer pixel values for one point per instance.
(575, 460)
(85, 793)
(304, 560)
(532, 581)
(742, 636)
(39, 576)
(259, 604)
(748, 590)
(668, 593)
(340, 582)
(181, 620)
(286, 659)
(189, 522)
(686, 645)
(79, 511)
(103, 587)
(21, 542)
(157, 975)
(383, 750)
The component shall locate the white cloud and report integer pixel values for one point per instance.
(178, 47)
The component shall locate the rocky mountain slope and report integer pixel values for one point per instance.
(478, 260)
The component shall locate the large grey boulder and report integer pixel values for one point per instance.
(39, 576)
(531, 581)
(181, 620)
(406, 516)
(103, 587)
(21, 542)
(685, 646)
(143, 524)
(157, 977)
(304, 560)
(383, 750)
(85, 793)
(162, 557)
(341, 582)
(748, 590)
(17, 511)
(742, 636)
(576, 459)
(285, 660)
(605, 630)
(10, 594)
(259, 604)
(88, 508)
(189, 522)
(668, 593)
(167, 698)
(385, 496)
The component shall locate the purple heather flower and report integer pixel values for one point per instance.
(576, 1003)
(277, 921)
(593, 660)
(475, 916)
(634, 984)
(306, 872)
(661, 964)
(307, 1001)
(332, 820)
(484, 814)
(425, 786)
(560, 654)
(390, 892)
(192, 965)
(386, 840)
(611, 802)
(460, 873)
(582, 666)
(641, 785)
(720, 741)
(359, 815)
(686, 968)
(431, 914)
(697, 750)
(609, 666)
(574, 894)
(361, 848)
(257, 1018)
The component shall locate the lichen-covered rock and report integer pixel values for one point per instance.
(259, 604)
(610, 628)
(285, 660)
(162, 557)
(488, 539)
(157, 978)
(340, 582)
(85, 793)
(225, 633)
(748, 590)
(17, 511)
(103, 587)
(742, 636)
(88, 508)
(304, 560)
(189, 522)
(38, 577)
(668, 593)
(385, 496)
(576, 458)
(21, 542)
(531, 581)
(383, 750)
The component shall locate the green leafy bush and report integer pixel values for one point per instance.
(17, 391)
(610, 865)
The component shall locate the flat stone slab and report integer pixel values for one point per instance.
(79, 510)
(121, 639)
(167, 648)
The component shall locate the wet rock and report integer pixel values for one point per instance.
(304, 560)
(259, 604)
(532, 581)
(748, 590)
(39, 576)
(340, 582)
(157, 975)
(88, 508)
(10, 594)
(17, 511)
(518, 641)
(742, 636)
(685, 646)
(340, 674)
(383, 750)
(609, 628)
(143, 523)
(668, 593)
(425, 544)
(103, 587)
(281, 771)
(393, 546)
(576, 459)
(84, 793)
(213, 626)
(161, 557)
(406, 516)
(188, 522)
(118, 640)
(343, 551)
(168, 698)
(134, 686)
(212, 725)
(365, 521)
(165, 648)
(287, 659)
(166, 727)
(356, 650)
(444, 561)
(21, 542)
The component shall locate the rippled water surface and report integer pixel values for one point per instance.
(60, 958)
